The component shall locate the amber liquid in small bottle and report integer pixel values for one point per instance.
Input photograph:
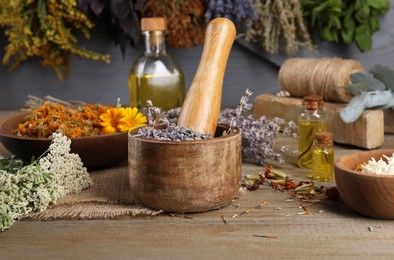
(312, 119)
(306, 135)
(323, 157)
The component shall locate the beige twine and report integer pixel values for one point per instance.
(318, 76)
(110, 197)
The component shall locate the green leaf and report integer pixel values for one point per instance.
(374, 24)
(373, 84)
(348, 22)
(329, 35)
(363, 37)
(347, 35)
(384, 74)
(362, 14)
(378, 4)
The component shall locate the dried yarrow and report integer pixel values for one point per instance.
(29, 188)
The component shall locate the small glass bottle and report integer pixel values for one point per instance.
(156, 75)
(323, 157)
(312, 119)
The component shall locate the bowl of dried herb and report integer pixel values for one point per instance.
(28, 134)
(365, 182)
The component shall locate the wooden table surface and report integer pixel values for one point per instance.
(332, 230)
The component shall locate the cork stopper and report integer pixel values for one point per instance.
(153, 24)
(313, 102)
(323, 139)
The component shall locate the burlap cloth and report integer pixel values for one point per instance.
(110, 197)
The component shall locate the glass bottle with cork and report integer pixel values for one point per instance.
(156, 75)
(323, 157)
(312, 119)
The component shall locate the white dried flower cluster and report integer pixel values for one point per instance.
(384, 166)
(70, 176)
(25, 189)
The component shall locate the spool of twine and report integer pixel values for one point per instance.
(318, 76)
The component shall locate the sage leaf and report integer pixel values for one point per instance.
(372, 83)
(384, 74)
(357, 88)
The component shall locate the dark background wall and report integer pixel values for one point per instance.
(94, 81)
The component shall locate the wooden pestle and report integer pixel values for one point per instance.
(201, 107)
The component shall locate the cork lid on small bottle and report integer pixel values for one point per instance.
(323, 139)
(153, 24)
(313, 102)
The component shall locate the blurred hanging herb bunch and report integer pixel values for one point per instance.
(44, 28)
(280, 27)
(241, 12)
(347, 20)
(123, 18)
(186, 25)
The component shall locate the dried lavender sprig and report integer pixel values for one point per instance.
(153, 113)
(258, 135)
(170, 131)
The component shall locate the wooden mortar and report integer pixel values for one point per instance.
(189, 176)
(193, 176)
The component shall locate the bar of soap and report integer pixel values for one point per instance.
(366, 132)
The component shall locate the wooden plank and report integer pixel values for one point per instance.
(366, 132)
(389, 121)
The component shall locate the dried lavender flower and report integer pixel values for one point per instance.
(258, 135)
(154, 113)
(172, 132)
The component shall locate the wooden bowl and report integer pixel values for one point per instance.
(369, 195)
(94, 151)
(189, 176)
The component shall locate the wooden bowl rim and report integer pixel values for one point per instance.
(25, 113)
(339, 164)
(234, 134)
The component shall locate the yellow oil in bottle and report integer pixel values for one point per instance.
(165, 92)
(323, 157)
(322, 166)
(306, 135)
